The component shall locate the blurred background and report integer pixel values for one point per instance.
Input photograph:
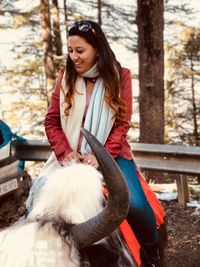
(33, 49)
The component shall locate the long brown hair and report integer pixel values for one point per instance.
(109, 70)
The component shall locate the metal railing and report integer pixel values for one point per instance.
(176, 159)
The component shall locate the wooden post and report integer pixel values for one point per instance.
(182, 188)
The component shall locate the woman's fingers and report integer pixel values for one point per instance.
(72, 156)
(90, 159)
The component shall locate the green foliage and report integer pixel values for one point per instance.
(24, 80)
(191, 43)
(183, 78)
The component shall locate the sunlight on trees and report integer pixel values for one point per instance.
(182, 80)
(27, 72)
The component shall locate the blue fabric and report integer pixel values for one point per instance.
(1, 138)
(6, 132)
(36, 187)
(141, 216)
(8, 136)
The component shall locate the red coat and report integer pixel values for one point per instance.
(116, 143)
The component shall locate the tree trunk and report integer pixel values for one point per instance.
(57, 40)
(99, 12)
(56, 28)
(65, 14)
(196, 134)
(150, 23)
(48, 48)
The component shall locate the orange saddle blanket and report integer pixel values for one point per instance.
(127, 231)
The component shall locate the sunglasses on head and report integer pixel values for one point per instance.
(82, 26)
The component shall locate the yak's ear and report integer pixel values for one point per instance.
(117, 206)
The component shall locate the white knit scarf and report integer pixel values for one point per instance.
(99, 121)
(99, 118)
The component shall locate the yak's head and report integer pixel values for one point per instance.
(76, 197)
(68, 215)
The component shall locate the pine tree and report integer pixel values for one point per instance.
(47, 47)
(183, 77)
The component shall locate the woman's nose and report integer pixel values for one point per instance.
(74, 56)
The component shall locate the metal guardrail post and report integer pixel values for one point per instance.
(182, 188)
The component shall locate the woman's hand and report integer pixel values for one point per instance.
(90, 159)
(72, 157)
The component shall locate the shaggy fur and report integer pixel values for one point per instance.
(29, 245)
(72, 193)
(70, 196)
(35, 242)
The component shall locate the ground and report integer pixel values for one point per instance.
(183, 228)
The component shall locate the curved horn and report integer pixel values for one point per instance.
(117, 206)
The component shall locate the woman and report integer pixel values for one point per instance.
(93, 91)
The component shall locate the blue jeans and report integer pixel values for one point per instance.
(140, 216)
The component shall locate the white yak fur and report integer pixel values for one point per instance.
(73, 193)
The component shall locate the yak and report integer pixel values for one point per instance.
(70, 223)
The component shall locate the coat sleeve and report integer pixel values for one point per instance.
(118, 134)
(56, 137)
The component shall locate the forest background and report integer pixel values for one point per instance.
(158, 40)
(33, 49)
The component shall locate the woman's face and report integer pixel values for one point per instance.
(81, 53)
